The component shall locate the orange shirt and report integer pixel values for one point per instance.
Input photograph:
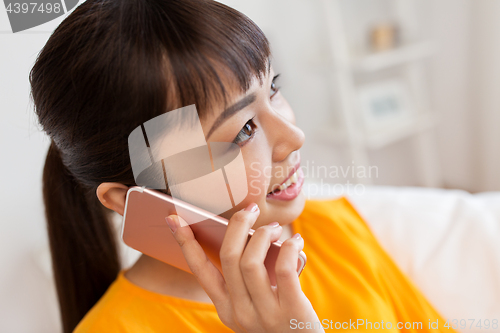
(350, 280)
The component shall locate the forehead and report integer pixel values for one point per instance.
(232, 93)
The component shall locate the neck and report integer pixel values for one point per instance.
(162, 278)
(287, 232)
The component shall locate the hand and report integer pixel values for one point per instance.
(244, 297)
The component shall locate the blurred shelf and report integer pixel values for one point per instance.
(383, 136)
(386, 59)
(403, 61)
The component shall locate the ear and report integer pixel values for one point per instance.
(112, 196)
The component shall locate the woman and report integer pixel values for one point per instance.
(112, 65)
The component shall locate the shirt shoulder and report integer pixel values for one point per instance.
(333, 217)
(107, 315)
(126, 308)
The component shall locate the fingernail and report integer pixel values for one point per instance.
(171, 223)
(297, 236)
(252, 208)
(274, 224)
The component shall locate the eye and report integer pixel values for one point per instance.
(274, 88)
(246, 132)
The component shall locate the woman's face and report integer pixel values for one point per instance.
(262, 123)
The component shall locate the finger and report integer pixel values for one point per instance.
(207, 274)
(287, 280)
(254, 271)
(232, 247)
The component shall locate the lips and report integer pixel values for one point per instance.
(290, 188)
(290, 179)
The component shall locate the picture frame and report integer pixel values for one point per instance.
(385, 105)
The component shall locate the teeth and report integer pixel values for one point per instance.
(292, 180)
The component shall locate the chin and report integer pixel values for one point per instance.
(285, 212)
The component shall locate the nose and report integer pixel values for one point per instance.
(284, 135)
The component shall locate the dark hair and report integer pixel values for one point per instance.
(110, 66)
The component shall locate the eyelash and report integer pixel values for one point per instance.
(274, 86)
(240, 137)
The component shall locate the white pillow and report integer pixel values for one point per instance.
(446, 241)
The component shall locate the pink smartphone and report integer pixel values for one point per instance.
(145, 229)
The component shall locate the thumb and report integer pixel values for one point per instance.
(175, 221)
(176, 225)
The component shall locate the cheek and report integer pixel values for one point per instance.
(283, 108)
(257, 160)
(258, 175)
(258, 166)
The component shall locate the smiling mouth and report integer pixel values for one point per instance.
(293, 179)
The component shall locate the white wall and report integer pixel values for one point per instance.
(27, 300)
(485, 93)
(449, 23)
(27, 295)
(465, 79)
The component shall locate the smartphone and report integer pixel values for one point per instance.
(145, 229)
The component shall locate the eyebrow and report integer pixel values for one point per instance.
(243, 103)
(230, 111)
